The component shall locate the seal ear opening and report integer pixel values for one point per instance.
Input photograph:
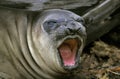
(68, 51)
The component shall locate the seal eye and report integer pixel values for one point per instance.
(50, 25)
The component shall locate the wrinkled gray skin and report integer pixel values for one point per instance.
(29, 51)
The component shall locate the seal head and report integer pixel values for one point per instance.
(56, 40)
(67, 34)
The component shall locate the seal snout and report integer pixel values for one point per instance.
(67, 36)
(73, 28)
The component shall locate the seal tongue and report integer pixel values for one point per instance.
(68, 51)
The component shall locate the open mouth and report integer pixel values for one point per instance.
(68, 52)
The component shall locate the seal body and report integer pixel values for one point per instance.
(40, 45)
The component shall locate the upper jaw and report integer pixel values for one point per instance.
(69, 51)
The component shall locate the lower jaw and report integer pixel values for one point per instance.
(71, 67)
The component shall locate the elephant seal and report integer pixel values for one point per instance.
(41, 45)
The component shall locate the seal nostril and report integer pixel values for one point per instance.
(70, 30)
(78, 29)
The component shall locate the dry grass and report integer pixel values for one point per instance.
(102, 61)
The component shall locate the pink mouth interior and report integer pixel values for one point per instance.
(68, 51)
